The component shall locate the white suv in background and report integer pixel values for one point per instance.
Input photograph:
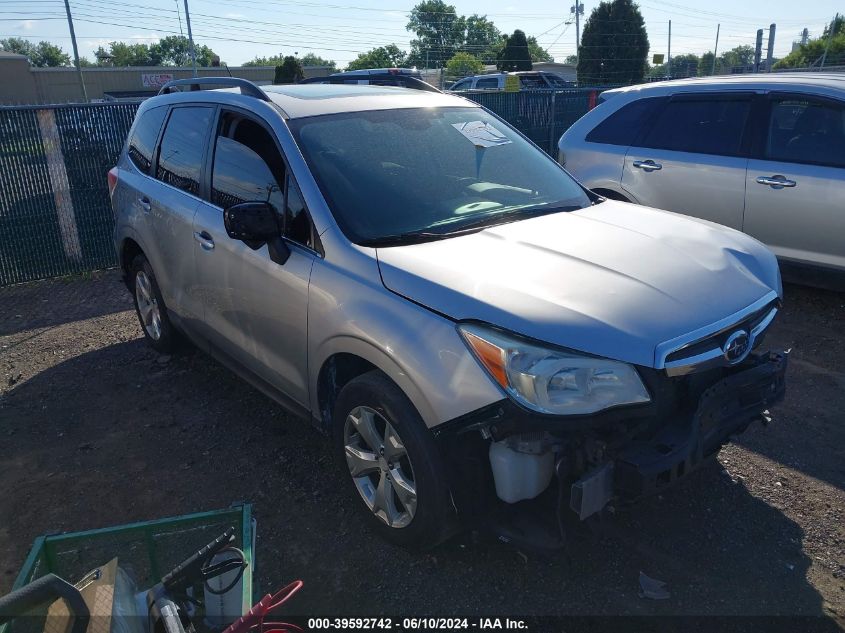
(764, 154)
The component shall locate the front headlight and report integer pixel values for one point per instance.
(550, 380)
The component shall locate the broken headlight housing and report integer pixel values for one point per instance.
(552, 380)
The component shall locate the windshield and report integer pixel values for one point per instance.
(394, 175)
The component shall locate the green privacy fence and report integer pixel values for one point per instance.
(55, 216)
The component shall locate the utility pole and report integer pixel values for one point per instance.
(75, 51)
(578, 9)
(771, 49)
(669, 53)
(758, 50)
(191, 39)
(715, 50)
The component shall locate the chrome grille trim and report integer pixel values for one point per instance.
(713, 357)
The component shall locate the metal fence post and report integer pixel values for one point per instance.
(552, 125)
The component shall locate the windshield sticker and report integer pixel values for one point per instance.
(481, 134)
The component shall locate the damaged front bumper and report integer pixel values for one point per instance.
(622, 454)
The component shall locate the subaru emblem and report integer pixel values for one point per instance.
(736, 348)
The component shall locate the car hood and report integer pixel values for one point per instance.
(614, 279)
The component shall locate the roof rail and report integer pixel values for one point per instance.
(380, 79)
(247, 87)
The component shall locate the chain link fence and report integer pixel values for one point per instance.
(55, 216)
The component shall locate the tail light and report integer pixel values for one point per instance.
(112, 180)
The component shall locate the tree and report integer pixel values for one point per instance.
(814, 50)
(289, 71)
(309, 59)
(41, 55)
(538, 53)
(838, 27)
(123, 54)
(175, 50)
(614, 45)
(571, 59)
(439, 30)
(389, 56)
(682, 66)
(481, 38)
(463, 64)
(705, 67)
(515, 55)
(739, 57)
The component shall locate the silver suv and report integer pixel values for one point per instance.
(528, 80)
(475, 330)
(764, 154)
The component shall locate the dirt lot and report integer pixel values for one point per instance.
(86, 409)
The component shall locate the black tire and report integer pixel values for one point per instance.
(433, 517)
(168, 340)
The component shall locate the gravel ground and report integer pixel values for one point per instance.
(86, 409)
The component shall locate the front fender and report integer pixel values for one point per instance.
(419, 350)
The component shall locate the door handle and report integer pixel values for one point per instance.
(647, 165)
(205, 240)
(145, 204)
(776, 182)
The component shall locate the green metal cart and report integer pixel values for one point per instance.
(149, 549)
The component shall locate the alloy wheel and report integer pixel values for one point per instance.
(147, 305)
(380, 466)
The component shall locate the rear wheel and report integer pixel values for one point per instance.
(390, 460)
(150, 307)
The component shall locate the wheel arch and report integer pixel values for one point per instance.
(611, 194)
(344, 358)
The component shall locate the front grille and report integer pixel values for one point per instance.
(718, 339)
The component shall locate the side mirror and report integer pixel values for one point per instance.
(256, 224)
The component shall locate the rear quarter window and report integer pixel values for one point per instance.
(623, 126)
(143, 140)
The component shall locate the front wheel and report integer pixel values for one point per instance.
(390, 460)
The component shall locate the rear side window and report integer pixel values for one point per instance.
(806, 130)
(486, 84)
(706, 126)
(622, 127)
(143, 140)
(181, 150)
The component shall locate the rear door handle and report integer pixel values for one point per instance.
(145, 204)
(205, 240)
(647, 165)
(776, 182)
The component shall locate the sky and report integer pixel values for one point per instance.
(240, 30)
